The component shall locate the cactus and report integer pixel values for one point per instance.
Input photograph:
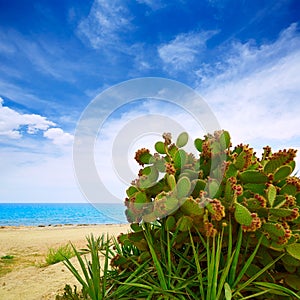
(183, 192)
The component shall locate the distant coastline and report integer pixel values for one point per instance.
(61, 214)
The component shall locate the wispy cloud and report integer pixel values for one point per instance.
(106, 23)
(153, 4)
(254, 90)
(182, 51)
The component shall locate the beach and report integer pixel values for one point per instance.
(23, 273)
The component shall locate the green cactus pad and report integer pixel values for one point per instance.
(213, 189)
(294, 250)
(274, 230)
(197, 186)
(160, 165)
(198, 144)
(240, 161)
(190, 207)
(224, 140)
(136, 227)
(292, 280)
(282, 172)
(280, 212)
(231, 171)
(145, 158)
(279, 201)
(288, 189)
(160, 147)
(253, 176)
(253, 204)
(291, 261)
(298, 198)
(180, 159)
(255, 188)
(184, 223)
(131, 191)
(183, 187)
(228, 193)
(271, 194)
(182, 140)
(141, 197)
(215, 148)
(242, 214)
(279, 159)
(171, 181)
(170, 223)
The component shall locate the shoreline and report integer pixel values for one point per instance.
(61, 225)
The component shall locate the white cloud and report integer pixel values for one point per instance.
(12, 122)
(58, 136)
(182, 51)
(105, 23)
(13, 125)
(255, 91)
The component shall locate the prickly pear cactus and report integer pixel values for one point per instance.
(186, 192)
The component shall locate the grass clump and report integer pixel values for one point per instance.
(59, 254)
(7, 257)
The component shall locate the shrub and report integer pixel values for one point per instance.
(55, 255)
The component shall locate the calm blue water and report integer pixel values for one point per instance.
(34, 214)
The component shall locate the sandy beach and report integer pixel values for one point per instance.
(25, 276)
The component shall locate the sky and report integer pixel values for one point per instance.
(242, 57)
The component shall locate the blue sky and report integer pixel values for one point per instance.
(243, 57)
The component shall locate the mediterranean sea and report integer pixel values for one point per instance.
(46, 214)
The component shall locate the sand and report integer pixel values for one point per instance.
(25, 276)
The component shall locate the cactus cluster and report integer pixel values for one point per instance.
(219, 185)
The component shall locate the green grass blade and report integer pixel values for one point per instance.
(275, 286)
(251, 279)
(197, 262)
(234, 264)
(247, 264)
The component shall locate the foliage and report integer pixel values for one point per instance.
(55, 255)
(191, 197)
(7, 257)
(223, 225)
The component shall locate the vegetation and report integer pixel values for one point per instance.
(223, 225)
(59, 254)
(7, 257)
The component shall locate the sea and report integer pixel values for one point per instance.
(51, 214)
